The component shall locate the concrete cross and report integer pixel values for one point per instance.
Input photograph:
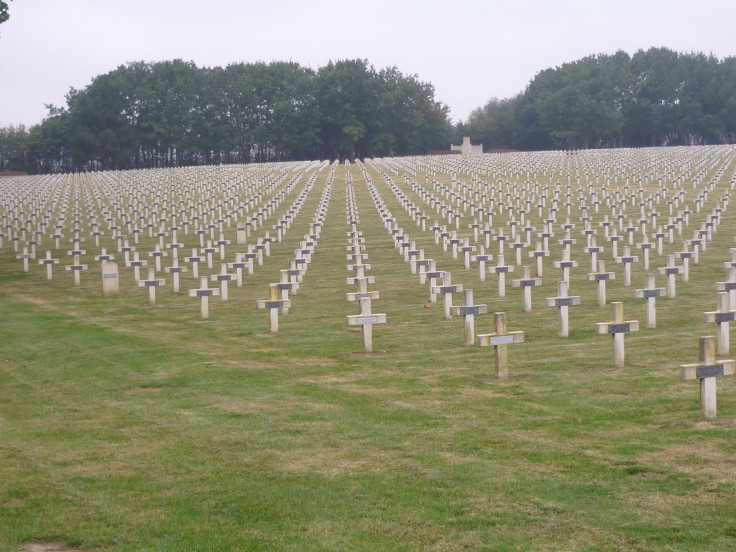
(501, 270)
(526, 283)
(151, 283)
(618, 328)
(500, 340)
(365, 320)
(49, 262)
(721, 316)
(468, 310)
(650, 293)
(273, 304)
(204, 293)
(447, 289)
(175, 270)
(563, 301)
(670, 271)
(707, 370)
(223, 277)
(601, 277)
(627, 259)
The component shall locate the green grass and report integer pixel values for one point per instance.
(127, 427)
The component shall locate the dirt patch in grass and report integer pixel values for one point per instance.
(46, 547)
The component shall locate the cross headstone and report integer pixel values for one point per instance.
(707, 370)
(500, 340)
(151, 283)
(468, 310)
(447, 289)
(76, 267)
(627, 259)
(650, 293)
(223, 277)
(565, 264)
(526, 283)
(49, 262)
(721, 316)
(175, 270)
(501, 270)
(618, 327)
(365, 320)
(204, 293)
(273, 304)
(601, 277)
(670, 271)
(563, 301)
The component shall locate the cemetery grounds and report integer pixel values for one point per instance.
(127, 427)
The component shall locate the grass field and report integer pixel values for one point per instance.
(126, 427)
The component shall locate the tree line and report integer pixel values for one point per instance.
(173, 113)
(656, 97)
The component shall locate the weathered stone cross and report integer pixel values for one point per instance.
(707, 370)
(618, 328)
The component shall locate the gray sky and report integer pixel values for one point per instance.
(470, 50)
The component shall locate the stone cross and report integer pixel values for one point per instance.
(482, 258)
(175, 270)
(565, 264)
(77, 269)
(136, 263)
(501, 269)
(499, 340)
(110, 279)
(25, 256)
(618, 328)
(685, 255)
(223, 277)
(562, 302)
(366, 319)
(526, 283)
(721, 316)
(627, 259)
(670, 271)
(593, 251)
(601, 277)
(49, 262)
(447, 289)
(273, 304)
(151, 283)
(650, 293)
(729, 285)
(707, 370)
(539, 254)
(432, 274)
(204, 293)
(468, 311)
(195, 259)
(645, 246)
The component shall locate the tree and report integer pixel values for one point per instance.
(4, 11)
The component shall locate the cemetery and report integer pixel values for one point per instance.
(334, 355)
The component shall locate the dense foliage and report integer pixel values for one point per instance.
(174, 113)
(653, 98)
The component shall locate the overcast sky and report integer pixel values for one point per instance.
(470, 50)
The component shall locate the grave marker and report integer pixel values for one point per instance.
(563, 301)
(500, 340)
(721, 316)
(707, 370)
(650, 293)
(617, 328)
(468, 310)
